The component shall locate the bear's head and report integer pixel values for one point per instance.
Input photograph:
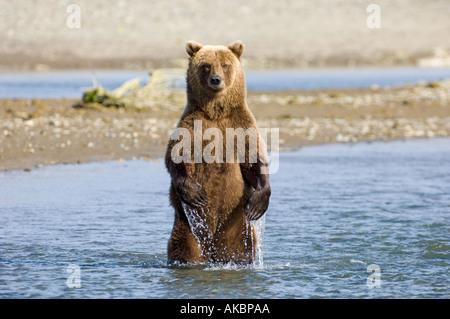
(214, 69)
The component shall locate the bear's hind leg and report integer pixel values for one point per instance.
(183, 246)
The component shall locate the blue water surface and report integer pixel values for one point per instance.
(71, 84)
(336, 210)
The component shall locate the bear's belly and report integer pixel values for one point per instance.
(223, 184)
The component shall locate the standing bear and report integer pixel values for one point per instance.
(217, 162)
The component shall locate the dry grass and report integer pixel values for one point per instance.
(164, 90)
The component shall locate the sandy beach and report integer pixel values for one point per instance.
(35, 132)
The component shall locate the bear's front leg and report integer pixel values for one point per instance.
(258, 201)
(189, 191)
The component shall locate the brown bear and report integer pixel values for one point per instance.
(216, 200)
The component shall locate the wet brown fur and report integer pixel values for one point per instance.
(221, 194)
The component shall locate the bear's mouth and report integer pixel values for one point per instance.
(216, 87)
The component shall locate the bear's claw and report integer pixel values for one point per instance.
(257, 203)
(192, 193)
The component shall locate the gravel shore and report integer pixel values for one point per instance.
(34, 133)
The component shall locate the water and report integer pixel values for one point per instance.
(70, 84)
(341, 78)
(61, 84)
(335, 210)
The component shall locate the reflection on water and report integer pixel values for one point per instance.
(335, 210)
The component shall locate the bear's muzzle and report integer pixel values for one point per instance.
(215, 82)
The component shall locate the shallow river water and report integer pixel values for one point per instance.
(100, 230)
(71, 84)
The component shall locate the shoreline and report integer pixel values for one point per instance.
(159, 158)
(41, 132)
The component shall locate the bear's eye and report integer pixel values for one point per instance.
(207, 67)
(224, 66)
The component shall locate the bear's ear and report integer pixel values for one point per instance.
(237, 48)
(192, 47)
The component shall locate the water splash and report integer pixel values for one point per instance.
(198, 227)
(260, 226)
(204, 237)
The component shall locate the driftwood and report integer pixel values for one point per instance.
(165, 89)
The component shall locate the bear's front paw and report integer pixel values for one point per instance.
(192, 193)
(257, 203)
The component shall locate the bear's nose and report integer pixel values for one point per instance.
(215, 79)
